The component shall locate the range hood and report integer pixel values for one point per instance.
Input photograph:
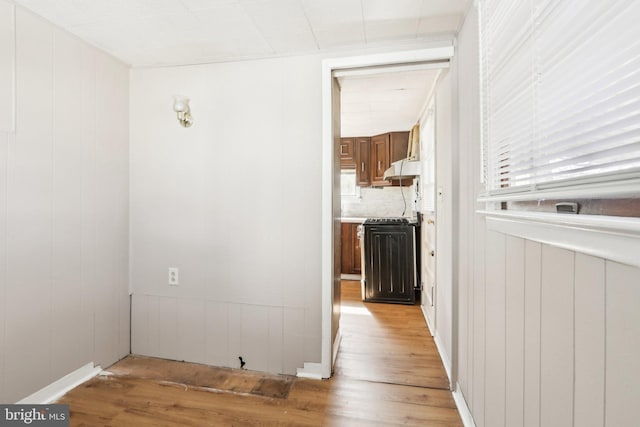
(403, 169)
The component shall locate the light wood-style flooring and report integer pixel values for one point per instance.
(387, 373)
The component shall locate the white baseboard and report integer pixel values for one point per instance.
(426, 319)
(350, 277)
(314, 370)
(446, 361)
(58, 388)
(463, 408)
(310, 370)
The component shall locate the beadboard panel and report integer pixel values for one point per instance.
(217, 337)
(66, 266)
(66, 245)
(217, 333)
(495, 374)
(556, 332)
(589, 341)
(4, 142)
(532, 311)
(622, 345)
(514, 318)
(479, 325)
(191, 318)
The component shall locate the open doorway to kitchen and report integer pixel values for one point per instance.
(333, 72)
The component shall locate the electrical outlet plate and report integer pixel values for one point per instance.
(173, 276)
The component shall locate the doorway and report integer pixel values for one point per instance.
(330, 192)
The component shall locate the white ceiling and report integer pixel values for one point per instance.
(160, 32)
(380, 103)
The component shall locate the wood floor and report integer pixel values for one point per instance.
(387, 343)
(387, 374)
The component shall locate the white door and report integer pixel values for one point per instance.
(428, 229)
(428, 255)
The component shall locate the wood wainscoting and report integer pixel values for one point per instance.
(388, 373)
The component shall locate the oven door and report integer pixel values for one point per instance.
(389, 263)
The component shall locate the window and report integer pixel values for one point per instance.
(561, 100)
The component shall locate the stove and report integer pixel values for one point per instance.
(390, 254)
(390, 221)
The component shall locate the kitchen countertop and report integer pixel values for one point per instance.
(353, 220)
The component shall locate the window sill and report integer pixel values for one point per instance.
(612, 238)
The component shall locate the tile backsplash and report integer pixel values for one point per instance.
(380, 202)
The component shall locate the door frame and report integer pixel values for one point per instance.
(329, 349)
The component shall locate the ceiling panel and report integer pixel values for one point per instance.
(340, 35)
(269, 15)
(391, 29)
(374, 104)
(283, 43)
(161, 32)
(385, 10)
(439, 24)
(326, 14)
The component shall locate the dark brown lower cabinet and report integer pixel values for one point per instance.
(350, 252)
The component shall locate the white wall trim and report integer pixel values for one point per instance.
(328, 66)
(58, 388)
(612, 238)
(311, 370)
(426, 319)
(463, 408)
(336, 347)
(446, 360)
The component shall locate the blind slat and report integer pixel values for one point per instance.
(561, 91)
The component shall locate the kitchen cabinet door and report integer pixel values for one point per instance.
(347, 153)
(379, 159)
(357, 255)
(350, 252)
(363, 161)
(398, 145)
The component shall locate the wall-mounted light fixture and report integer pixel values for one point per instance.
(181, 106)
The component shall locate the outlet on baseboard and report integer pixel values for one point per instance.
(173, 276)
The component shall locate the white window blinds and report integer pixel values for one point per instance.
(561, 97)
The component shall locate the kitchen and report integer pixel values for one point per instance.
(382, 194)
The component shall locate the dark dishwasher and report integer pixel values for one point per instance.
(389, 260)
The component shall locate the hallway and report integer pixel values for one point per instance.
(387, 373)
(388, 343)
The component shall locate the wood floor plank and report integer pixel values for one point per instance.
(387, 342)
(388, 373)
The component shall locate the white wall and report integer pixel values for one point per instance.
(63, 211)
(547, 336)
(234, 202)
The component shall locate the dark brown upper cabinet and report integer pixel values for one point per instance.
(347, 153)
(371, 156)
(363, 161)
(386, 149)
